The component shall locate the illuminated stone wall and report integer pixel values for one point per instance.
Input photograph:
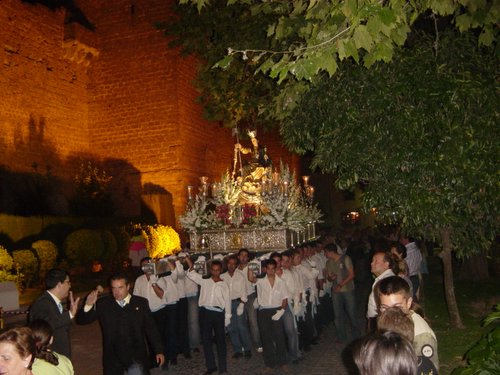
(116, 94)
(43, 91)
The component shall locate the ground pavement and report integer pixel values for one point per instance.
(323, 359)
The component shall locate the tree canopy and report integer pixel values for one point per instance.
(418, 133)
(385, 94)
(311, 36)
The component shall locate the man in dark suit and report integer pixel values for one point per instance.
(49, 307)
(126, 322)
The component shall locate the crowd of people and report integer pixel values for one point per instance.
(277, 304)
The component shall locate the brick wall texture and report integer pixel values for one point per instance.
(116, 95)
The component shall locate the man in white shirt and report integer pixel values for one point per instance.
(153, 288)
(237, 329)
(309, 273)
(414, 261)
(382, 264)
(250, 309)
(182, 309)
(273, 300)
(192, 294)
(215, 314)
(283, 271)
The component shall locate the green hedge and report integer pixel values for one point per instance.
(28, 265)
(83, 246)
(46, 253)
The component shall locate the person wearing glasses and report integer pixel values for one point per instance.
(50, 306)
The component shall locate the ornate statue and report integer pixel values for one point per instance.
(255, 171)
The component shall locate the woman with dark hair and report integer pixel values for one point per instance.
(385, 353)
(398, 252)
(46, 361)
(17, 349)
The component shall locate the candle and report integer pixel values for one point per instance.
(285, 188)
(190, 192)
(276, 178)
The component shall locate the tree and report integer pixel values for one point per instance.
(233, 95)
(419, 133)
(316, 35)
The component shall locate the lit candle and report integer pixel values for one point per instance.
(204, 185)
(306, 180)
(276, 178)
(190, 192)
(285, 188)
(214, 189)
(310, 192)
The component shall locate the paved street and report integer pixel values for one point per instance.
(323, 359)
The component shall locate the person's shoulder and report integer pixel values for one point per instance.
(42, 302)
(138, 300)
(421, 326)
(105, 300)
(45, 296)
(63, 360)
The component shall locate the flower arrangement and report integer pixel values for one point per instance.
(161, 240)
(284, 205)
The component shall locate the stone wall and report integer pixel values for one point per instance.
(115, 94)
(44, 105)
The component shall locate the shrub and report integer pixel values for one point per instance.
(7, 276)
(122, 240)
(6, 264)
(110, 247)
(83, 246)
(56, 233)
(27, 263)
(6, 261)
(46, 252)
(484, 357)
(161, 240)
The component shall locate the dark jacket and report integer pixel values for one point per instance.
(124, 332)
(46, 308)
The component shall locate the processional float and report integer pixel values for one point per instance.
(255, 206)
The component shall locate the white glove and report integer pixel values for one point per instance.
(178, 264)
(172, 257)
(278, 314)
(227, 320)
(321, 293)
(218, 257)
(297, 308)
(240, 309)
(256, 304)
(182, 254)
(265, 256)
(201, 258)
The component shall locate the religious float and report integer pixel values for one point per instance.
(256, 206)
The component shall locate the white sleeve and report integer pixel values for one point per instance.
(195, 276)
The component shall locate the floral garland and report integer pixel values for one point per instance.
(281, 208)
